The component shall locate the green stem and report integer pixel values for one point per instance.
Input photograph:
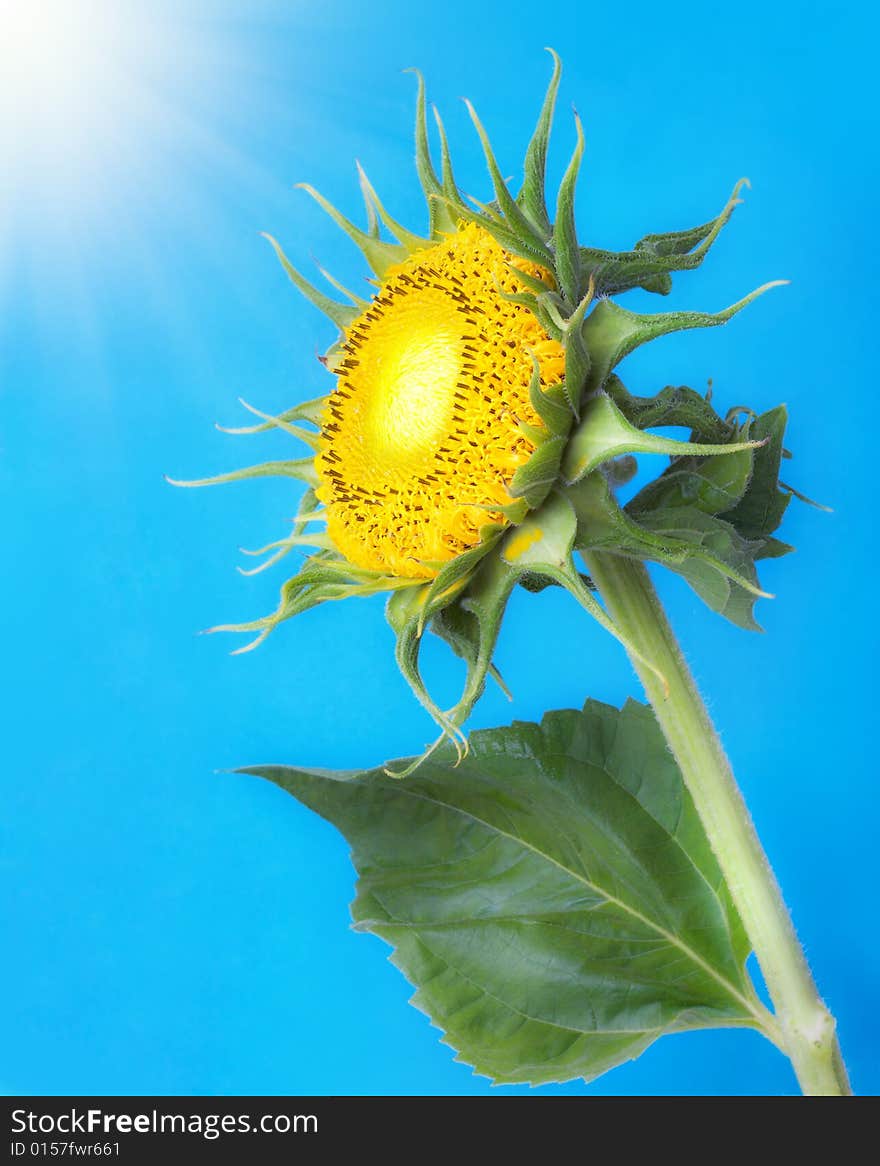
(807, 1027)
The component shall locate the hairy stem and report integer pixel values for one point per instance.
(807, 1027)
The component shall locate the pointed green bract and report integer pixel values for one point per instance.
(578, 360)
(341, 314)
(311, 411)
(534, 481)
(604, 433)
(654, 259)
(532, 196)
(467, 608)
(440, 217)
(282, 422)
(550, 404)
(450, 191)
(611, 332)
(407, 238)
(360, 303)
(303, 470)
(378, 254)
(506, 202)
(565, 244)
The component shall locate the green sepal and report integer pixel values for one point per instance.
(454, 625)
(405, 613)
(578, 360)
(532, 196)
(311, 411)
(341, 314)
(468, 606)
(379, 254)
(308, 512)
(565, 244)
(482, 609)
(540, 545)
(272, 421)
(359, 302)
(407, 238)
(450, 190)
(322, 577)
(481, 604)
(603, 433)
(534, 480)
(547, 307)
(654, 258)
(539, 548)
(503, 234)
(801, 497)
(303, 469)
(440, 217)
(612, 332)
(507, 204)
(453, 575)
(550, 403)
(536, 284)
(369, 204)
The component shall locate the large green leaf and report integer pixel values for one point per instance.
(553, 898)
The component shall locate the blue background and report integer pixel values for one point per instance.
(173, 929)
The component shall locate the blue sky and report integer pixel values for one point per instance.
(176, 929)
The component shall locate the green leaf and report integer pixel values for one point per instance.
(650, 264)
(673, 405)
(760, 511)
(553, 898)
(720, 558)
(713, 485)
(706, 550)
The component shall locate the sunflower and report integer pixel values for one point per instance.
(476, 429)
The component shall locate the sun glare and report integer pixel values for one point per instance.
(74, 78)
(116, 120)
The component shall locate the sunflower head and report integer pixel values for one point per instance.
(431, 416)
(476, 431)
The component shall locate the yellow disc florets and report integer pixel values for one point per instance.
(424, 431)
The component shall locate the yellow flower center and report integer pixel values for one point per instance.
(423, 432)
